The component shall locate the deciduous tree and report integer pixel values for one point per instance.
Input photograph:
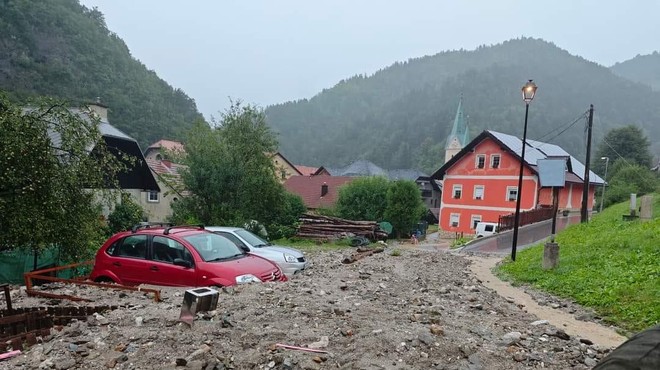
(47, 168)
(230, 174)
(628, 142)
(404, 206)
(363, 199)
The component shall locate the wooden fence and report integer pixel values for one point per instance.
(526, 218)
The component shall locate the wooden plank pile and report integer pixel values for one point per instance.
(327, 228)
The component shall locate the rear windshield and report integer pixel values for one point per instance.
(213, 247)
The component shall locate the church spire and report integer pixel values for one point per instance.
(460, 135)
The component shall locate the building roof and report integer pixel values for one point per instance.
(435, 184)
(366, 168)
(137, 175)
(309, 189)
(534, 151)
(167, 145)
(306, 170)
(167, 172)
(405, 174)
(460, 128)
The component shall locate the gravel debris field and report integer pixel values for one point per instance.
(419, 310)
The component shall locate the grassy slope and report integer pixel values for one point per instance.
(608, 264)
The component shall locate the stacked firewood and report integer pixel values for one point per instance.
(326, 228)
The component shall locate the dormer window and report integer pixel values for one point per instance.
(495, 161)
(159, 157)
(480, 161)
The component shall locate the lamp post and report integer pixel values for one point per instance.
(528, 92)
(602, 196)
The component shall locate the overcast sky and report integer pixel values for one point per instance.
(268, 51)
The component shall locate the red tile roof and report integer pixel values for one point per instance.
(167, 144)
(306, 170)
(309, 189)
(167, 172)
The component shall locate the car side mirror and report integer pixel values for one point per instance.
(244, 248)
(182, 262)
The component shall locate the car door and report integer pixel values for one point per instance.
(129, 262)
(163, 271)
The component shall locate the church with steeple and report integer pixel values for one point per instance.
(460, 134)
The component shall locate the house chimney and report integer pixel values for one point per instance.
(99, 109)
(324, 189)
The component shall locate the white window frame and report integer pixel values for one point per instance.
(476, 160)
(459, 188)
(150, 200)
(458, 219)
(492, 160)
(508, 192)
(483, 192)
(473, 218)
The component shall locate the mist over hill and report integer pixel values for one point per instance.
(60, 48)
(401, 115)
(644, 69)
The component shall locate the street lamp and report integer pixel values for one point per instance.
(528, 92)
(602, 196)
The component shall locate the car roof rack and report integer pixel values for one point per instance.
(149, 225)
(167, 230)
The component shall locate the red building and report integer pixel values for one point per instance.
(480, 182)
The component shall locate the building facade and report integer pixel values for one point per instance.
(480, 183)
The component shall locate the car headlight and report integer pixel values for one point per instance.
(290, 258)
(248, 278)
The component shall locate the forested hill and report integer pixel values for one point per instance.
(400, 116)
(60, 48)
(642, 68)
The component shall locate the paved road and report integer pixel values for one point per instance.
(527, 236)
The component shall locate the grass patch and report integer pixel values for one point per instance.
(432, 228)
(395, 253)
(312, 245)
(610, 265)
(457, 243)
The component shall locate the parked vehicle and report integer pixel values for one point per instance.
(290, 260)
(486, 229)
(179, 256)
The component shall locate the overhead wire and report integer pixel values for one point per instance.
(541, 139)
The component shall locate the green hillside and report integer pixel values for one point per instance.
(608, 264)
(60, 48)
(400, 116)
(642, 68)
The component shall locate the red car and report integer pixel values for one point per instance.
(179, 256)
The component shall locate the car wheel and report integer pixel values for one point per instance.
(104, 279)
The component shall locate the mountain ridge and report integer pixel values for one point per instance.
(400, 115)
(62, 49)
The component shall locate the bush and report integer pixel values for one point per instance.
(126, 214)
(363, 199)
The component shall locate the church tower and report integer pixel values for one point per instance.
(459, 136)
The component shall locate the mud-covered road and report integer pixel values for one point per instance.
(419, 310)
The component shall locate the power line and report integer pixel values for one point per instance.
(582, 116)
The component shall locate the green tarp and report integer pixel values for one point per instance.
(14, 263)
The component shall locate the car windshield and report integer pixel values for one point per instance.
(252, 239)
(213, 247)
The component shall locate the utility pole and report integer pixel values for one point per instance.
(584, 214)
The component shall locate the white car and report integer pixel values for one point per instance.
(486, 229)
(290, 261)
